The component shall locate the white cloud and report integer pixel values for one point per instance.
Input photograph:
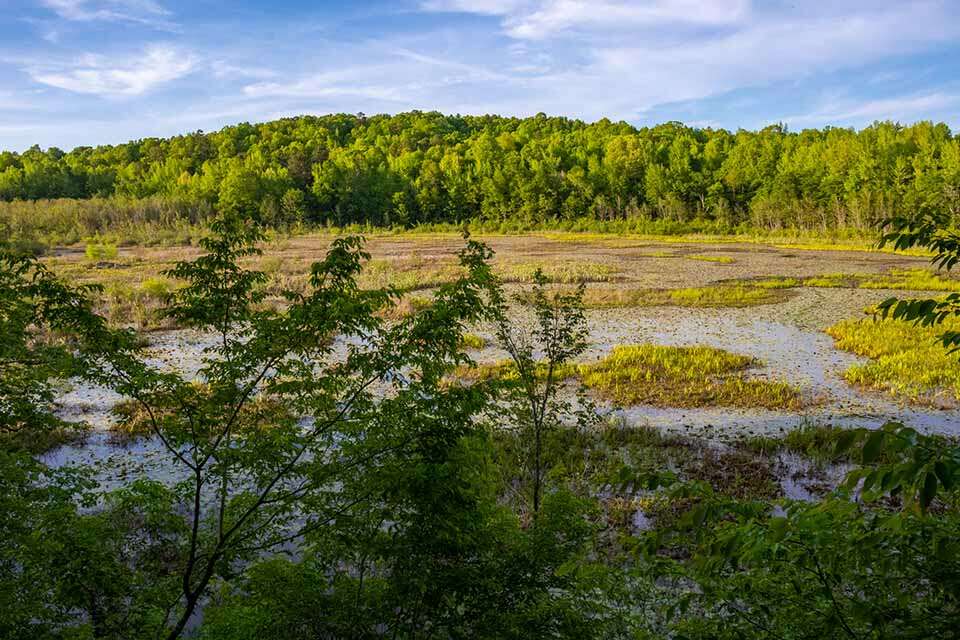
(623, 77)
(111, 10)
(482, 7)
(145, 12)
(98, 75)
(547, 18)
(901, 108)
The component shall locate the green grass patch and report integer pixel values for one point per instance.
(573, 272)
(714, 296)
(685, 377)
(906, 361)
(813, 441)
(716, 259)
(472, 341)
(899, 279)
(665, 376)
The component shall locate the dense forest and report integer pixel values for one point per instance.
(421, 168)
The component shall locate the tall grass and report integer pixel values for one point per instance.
(713, 296)
(685, 377)
(42, 224)
(666, 376)
(907, 361)
(899, 279)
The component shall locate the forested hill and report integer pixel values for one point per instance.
(427, 167)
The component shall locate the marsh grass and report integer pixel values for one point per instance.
(706, 258)
(714, 296)
(898, 279)
(472, 341)
(685, 377)
(560, 272)
(416, 273)
(410, 274)
(665, 376)
(817, 442)
(907, 361)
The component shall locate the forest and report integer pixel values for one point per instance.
(421, 168)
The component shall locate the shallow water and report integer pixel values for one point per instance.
(786, 338)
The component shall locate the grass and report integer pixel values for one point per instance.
(685, 377)
(816, 442)
(415, 273)
(716, 259)
(714, 296)
(611, 459)
(899, 279)
(906, 361)
(98, 250)
(561, 272)
(663, 376)
(472, 341)
(409, 274)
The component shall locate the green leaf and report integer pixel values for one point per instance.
(928, 491)
(846, 440)
(943, 474)
(873, 447)
(778, 529)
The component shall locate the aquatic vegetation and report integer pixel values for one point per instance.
(906, 360)
(472, 341)
(902, 279)
(814, 441)
(97, 250)
(408, 275)
(666, 376)
(685, 377)
(561, 272)
(724, 295)
(705, 258)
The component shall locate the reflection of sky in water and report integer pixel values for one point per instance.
(802, 357)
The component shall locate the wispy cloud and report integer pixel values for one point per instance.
(144, 12)
(900, 108)
(100, 75)
(844, 62)
(546, 18)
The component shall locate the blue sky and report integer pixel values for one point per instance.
(76, 72)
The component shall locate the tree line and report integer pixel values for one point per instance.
(424, 168)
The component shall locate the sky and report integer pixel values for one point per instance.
(86, 72)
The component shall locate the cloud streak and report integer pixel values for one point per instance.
(145, 12)
(94, 74)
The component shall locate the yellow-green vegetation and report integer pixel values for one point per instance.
(912, 280)
(408, 274)
(733, 295)
(705, 258)
(806, 241)
(685, 377)
(905, 360)
(97, 250)
(666, 376)
(416, 273)
(561, 272)
(901, 279)
(472, 341)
